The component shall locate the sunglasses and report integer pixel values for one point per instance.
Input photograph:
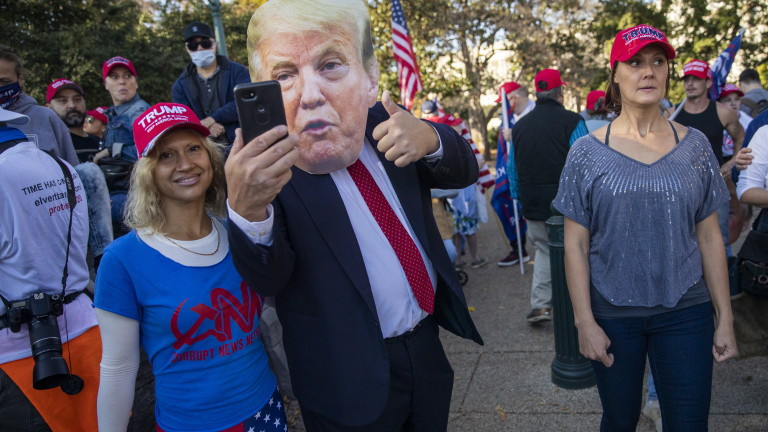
(193, 45)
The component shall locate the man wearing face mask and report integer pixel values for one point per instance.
(207, 84)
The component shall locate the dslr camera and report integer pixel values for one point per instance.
(39, 312)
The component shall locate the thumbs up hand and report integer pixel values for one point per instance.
(404, 138)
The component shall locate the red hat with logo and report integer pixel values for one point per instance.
(548, 79)
(160, 119)
(508, 87)
(628, 42)
(115, 62)
(697, 68)
(61, 84)
(730, 88)
(99, 114)
(593, 97)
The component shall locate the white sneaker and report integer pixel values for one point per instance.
(653, 412)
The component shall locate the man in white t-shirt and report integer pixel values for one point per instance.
(34, 250)
(753, 182)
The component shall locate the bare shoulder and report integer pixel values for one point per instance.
(681, 130)
(600, 133)
(726, 114)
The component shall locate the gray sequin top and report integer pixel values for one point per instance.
(642, 217)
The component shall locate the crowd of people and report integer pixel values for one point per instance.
(158, 228)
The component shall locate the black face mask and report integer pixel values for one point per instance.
(9, 94)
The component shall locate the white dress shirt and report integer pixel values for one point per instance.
(396, 306)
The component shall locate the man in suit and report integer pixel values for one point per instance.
(335, 220)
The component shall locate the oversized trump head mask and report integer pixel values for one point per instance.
(321, 52)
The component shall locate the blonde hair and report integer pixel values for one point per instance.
(143, 208)
(298, 16)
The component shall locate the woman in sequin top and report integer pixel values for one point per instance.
(644, 257)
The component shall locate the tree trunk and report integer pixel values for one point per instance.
(476, 113)
(477, 124)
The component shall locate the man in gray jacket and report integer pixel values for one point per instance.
(755, 98)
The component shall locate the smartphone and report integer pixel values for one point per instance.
(259, 107)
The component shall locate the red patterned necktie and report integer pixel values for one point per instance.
(402, 243)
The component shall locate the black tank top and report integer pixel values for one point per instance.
(708, 123)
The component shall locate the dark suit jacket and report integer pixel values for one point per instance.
(336, 354)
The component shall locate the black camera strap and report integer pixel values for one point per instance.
(72, 199)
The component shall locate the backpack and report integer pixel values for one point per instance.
(752, 259)
(755, 107)
(117, 173)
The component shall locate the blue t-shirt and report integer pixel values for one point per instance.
(200, 329)
(642, 218)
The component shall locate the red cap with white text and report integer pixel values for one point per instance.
(61, 84)
(99, 114)
(115, 62)
(628, 42)
(160, 119)
(697, 68)
(730, 88)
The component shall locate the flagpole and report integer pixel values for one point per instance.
(505, 126)
(677, 110)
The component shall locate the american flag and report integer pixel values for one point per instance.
(407, 68)
(722, 66)
(484, 177)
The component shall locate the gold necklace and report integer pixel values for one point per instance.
(218, 243)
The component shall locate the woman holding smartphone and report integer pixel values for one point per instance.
(644, 258)
(170, 287)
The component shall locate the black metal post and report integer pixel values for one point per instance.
(570, 370)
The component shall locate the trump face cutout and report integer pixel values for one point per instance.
(322, 55)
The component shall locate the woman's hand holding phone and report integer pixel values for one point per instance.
(257, 171)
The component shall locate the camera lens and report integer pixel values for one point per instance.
(261, 109)
(50, 368)
(250, 95)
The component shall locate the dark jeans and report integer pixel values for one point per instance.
(17, 414)
(678, 345)
(420, 386)
(117, 201)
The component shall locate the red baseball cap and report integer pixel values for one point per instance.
(99, 114)
(593, 97)
(160, 119)
(61, 84)
(730, 88)
(114, 62)
(697, 68)
(508, 87)
(629, 41)
(548, 79)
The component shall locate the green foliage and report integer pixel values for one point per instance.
(454, 41)
(72, 39)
